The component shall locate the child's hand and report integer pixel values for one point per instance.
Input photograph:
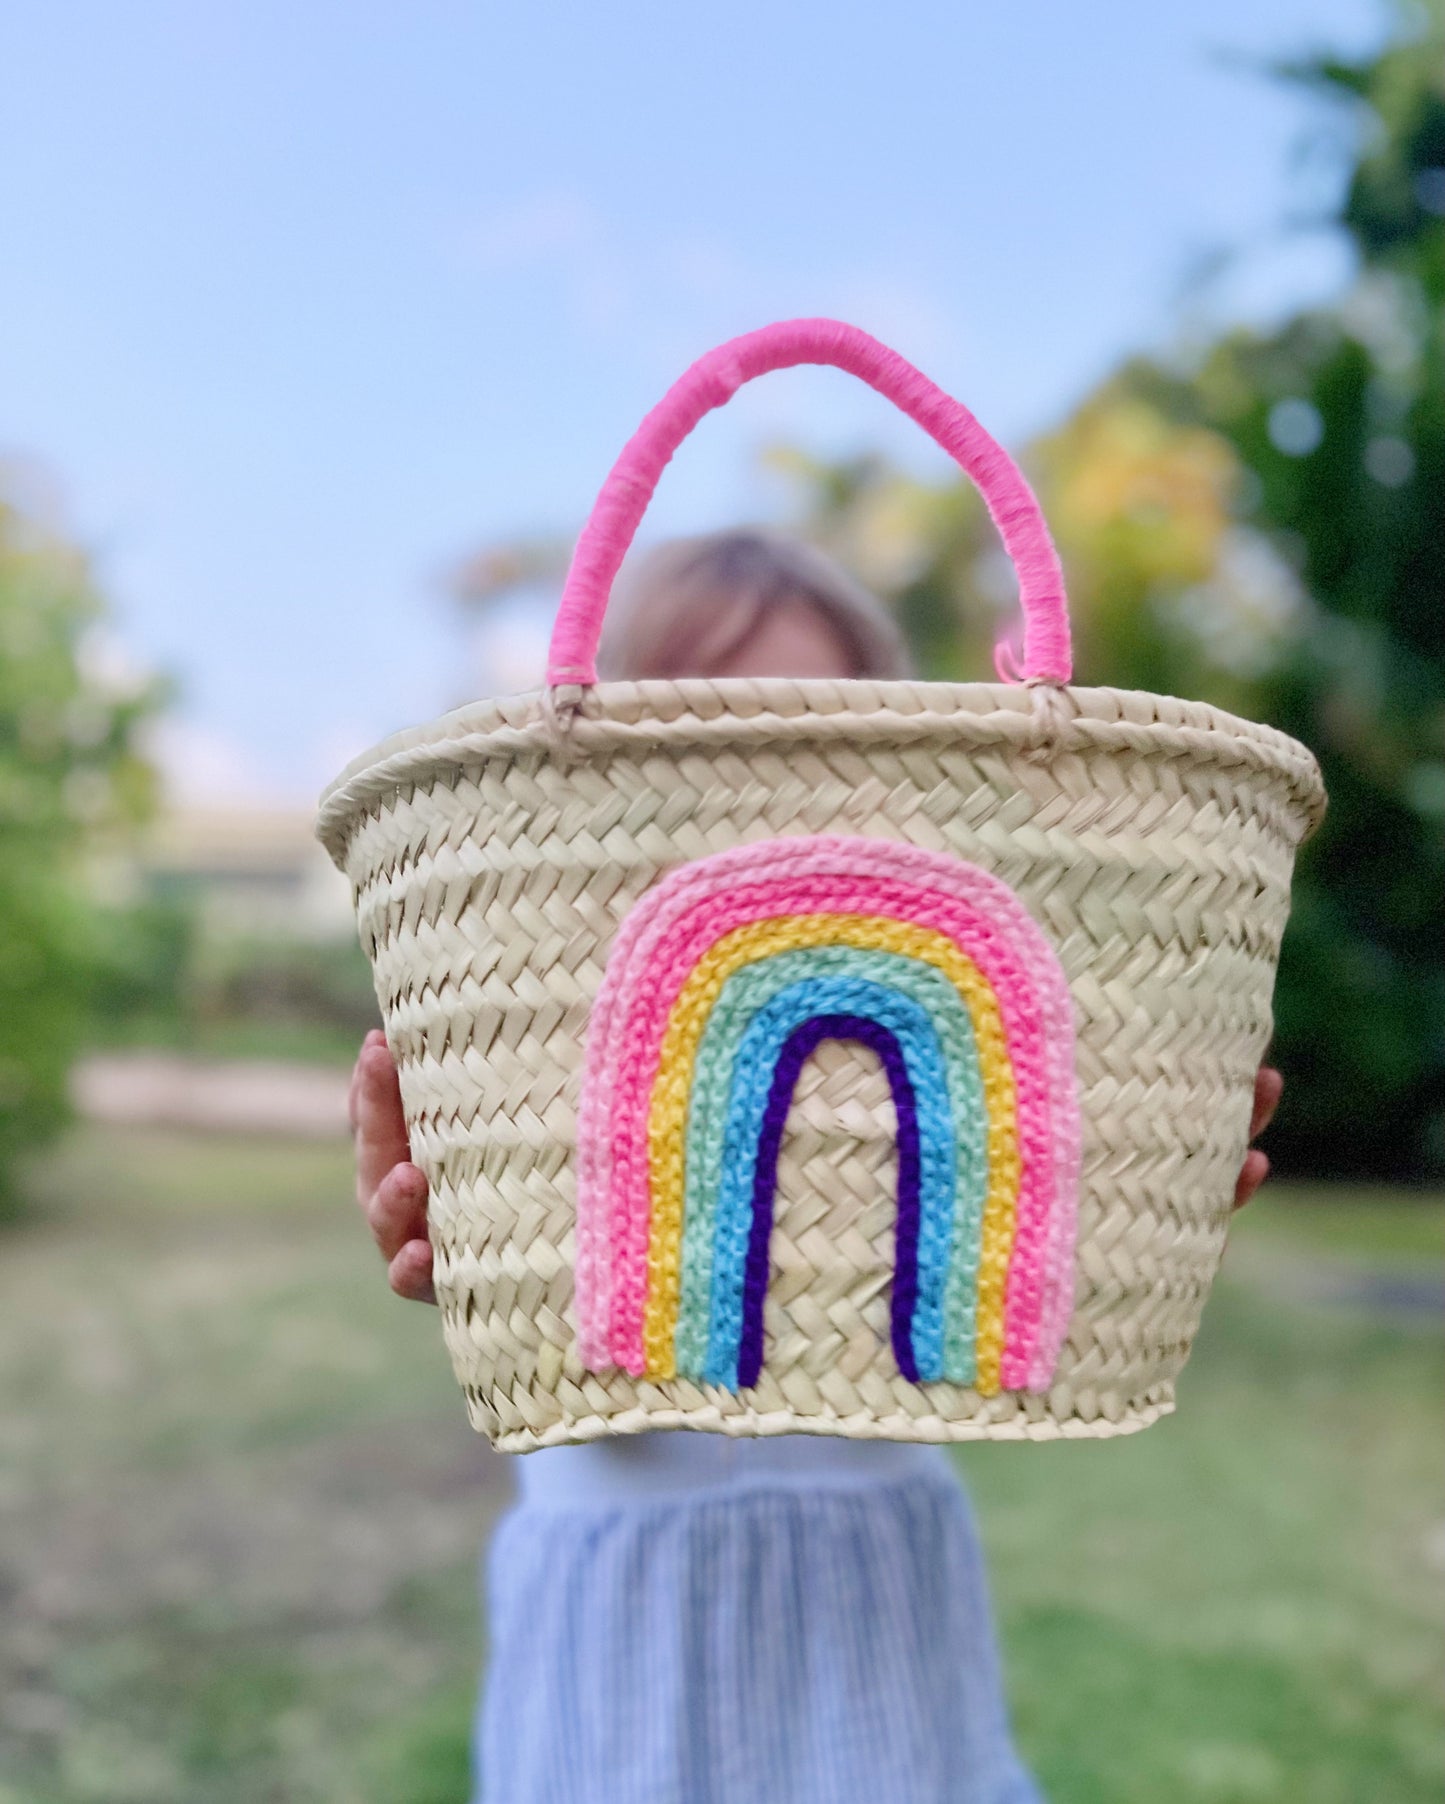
(1268, 1088)
(389, 1188)
(392, 1192)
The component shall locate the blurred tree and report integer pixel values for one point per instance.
(69, 771)
(498, 570)
(1338, 419)
(1265, 529)
(922, 546)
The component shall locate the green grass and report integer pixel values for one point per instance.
(1245, 1602)
(240, 1512)
(241, 1558)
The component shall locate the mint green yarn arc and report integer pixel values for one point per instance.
(912, 1032)
(742, 996)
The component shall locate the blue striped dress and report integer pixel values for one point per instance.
(688, 1619)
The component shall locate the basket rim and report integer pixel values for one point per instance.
(663, 713)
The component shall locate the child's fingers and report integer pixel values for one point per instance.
(410, 1274)
(397, 1209)
(381, 1141)
(1268, 1088)
(1251, 1175)
(353, 1090)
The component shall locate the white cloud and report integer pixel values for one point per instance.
(330, 750)
(510, 644)
(677, 294)
(200, 767)
(903, 313)
(542, 228)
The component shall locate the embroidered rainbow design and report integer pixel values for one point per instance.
(722, 981)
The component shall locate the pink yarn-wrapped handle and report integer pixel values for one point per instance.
(715, 379)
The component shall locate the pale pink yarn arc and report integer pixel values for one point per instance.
(711, 382)
(672, 927)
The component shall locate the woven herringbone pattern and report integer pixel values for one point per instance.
(494, 854)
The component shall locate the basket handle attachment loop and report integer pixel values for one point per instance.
(712, 381)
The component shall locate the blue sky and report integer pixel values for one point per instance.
(299, 303)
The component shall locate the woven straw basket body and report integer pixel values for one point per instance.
(845, 1057)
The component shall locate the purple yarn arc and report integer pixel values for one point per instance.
(799, 1045)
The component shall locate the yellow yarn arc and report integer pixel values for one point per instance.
(667, 1115)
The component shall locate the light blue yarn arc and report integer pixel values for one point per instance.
(757, 1056)
(951, 1316)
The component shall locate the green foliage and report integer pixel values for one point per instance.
(69, 771)
(143, 956)
(1262, 530)
(1355, 501)
(164, 978)
(326, 984)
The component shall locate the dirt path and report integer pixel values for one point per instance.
(161, 1089)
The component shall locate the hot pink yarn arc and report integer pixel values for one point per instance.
(673, 926)
(645, 1025)
(711, 382)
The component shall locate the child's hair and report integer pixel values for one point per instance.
(689, 605)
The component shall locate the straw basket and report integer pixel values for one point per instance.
(848, 1057)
